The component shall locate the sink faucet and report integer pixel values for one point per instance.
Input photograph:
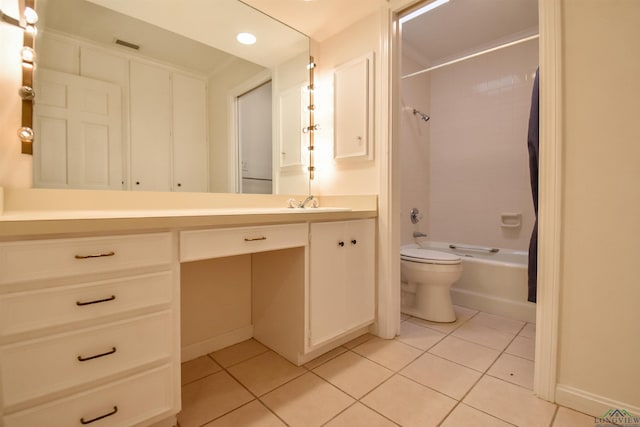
(307, 200)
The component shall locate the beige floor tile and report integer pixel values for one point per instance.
(253, 414)
(404, 317)
(265, 372)
(357, 341)
(471, 355)
(353, 374)
(442, 375)
(307, 401)
(209, 398)
(391, 354)
(513, 369)
(418, 336)
(566, 417)
(359, 415)
(499, 323)
(483, 335)
(465, 415)
(325, 357)
(462, 315)
(409, 403)
(198, 368)
(510, 403)
(238, 352)
(529, 331)
(523, 347)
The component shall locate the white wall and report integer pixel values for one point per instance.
(358, 177)
(600, 289)
(469, 163)
(479, 165)
(414, 146)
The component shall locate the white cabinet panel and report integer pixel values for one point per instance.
(120, 403)
(190, 152)
(353, 109)
(151, 119)
(342, 278)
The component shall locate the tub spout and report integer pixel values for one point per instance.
(417, 234)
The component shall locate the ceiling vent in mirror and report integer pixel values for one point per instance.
(127, 44)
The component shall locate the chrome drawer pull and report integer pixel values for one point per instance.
(84, 359)
(113, 412)
(95, 255)
(98, 301)
(253, 239)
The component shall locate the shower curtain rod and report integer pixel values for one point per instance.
(473, 55)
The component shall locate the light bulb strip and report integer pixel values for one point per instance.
(27, 53)
(312, 126)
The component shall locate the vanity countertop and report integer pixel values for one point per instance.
(40, 213)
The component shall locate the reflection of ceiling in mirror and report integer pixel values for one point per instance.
(89, 21)
(216, 23)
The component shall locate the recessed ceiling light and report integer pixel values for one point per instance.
(246, 38)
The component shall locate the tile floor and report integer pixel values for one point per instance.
(475, 372)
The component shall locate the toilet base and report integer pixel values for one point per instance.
(432, 303)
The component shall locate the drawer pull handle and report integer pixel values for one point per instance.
(254, 239)
(341, 243)
(98, 301)
(113, 412)
(354, 242)
(95, 255)
(84, 359)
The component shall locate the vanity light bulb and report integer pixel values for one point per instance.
(28, 55)
(31, 29)
(30, 16)
(25, 134)
(311, 65)
(27, 93)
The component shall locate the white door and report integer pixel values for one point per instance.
(78, 125)
(254, 140)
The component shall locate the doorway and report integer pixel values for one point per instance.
(254, 134)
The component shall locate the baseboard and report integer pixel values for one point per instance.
(193, 351)
(590, 403)
(499, 306)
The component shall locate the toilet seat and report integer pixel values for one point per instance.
(428, 256)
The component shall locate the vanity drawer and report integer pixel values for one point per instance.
(35, 368)
(137, 398)
(32, 310)
(203, 244)
(47, 259)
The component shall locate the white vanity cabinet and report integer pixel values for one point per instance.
(342, 278)
(89, 330)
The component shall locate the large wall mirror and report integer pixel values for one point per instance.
(160, 95)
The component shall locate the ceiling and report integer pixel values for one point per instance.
(460, 27)
(319, 19)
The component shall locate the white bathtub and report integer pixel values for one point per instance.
(494, 282)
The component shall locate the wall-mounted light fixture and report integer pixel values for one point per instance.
(312, 127)
(27, 21)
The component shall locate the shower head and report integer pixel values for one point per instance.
(422, 115)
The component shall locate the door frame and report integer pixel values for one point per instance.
(550, 184)
(233, 146)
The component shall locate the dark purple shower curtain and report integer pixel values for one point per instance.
(532, 144)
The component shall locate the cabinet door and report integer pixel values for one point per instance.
(360, 272)
(151, 120)
(190, 153)
(327, 302)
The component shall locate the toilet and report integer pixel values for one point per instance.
(427, 276)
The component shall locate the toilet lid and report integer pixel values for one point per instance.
(428, 256)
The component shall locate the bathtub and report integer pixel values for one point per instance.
(493, 282)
